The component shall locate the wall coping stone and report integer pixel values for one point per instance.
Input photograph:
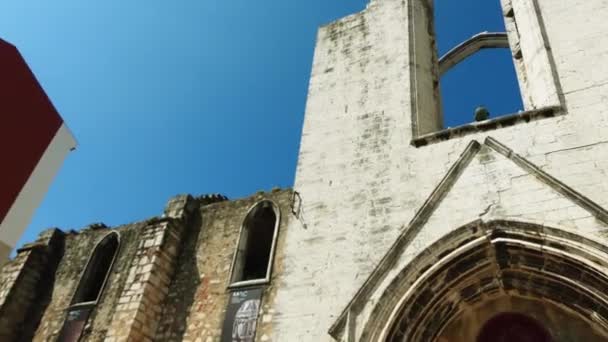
(487, 125)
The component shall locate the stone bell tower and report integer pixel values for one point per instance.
(408, 231)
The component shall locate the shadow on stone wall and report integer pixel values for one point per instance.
(182, 291)
(43, 299)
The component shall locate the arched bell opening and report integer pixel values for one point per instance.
(484, 270)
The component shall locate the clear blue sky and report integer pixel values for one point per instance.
(200, 96)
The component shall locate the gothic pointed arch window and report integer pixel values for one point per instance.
(501, 75)
(90, 287)
(252, 263)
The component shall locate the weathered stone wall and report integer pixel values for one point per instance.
(151, 270)
(101, 317)
(78, 249)
(197, 298)
(168, 282)
(23, 294)
(147, 279)
(362, 181)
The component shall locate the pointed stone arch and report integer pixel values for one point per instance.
(464, 50)
(90, 287)
(99, 265)
(481, 262)
(253, 259)
(525, 36)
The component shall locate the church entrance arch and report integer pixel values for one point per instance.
(485, 280)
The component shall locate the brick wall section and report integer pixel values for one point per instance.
(149, 276)
(22, 294)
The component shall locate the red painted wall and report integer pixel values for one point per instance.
(28, 123)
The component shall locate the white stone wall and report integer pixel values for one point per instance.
(361, 181)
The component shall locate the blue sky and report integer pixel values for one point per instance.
(201, 96)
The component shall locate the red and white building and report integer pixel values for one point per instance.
(34, 141)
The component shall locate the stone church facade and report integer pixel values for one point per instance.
(397, 229)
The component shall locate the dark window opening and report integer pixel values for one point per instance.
(484, 84)
(89, 288)
(255, 245)
(513, 327)
(94, 276)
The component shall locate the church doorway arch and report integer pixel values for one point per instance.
(495, 276)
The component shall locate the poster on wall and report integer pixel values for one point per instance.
(242, 315)
(74, 323)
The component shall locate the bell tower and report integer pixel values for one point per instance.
(386, 193)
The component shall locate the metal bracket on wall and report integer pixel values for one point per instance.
(296, 204)
(296, 208)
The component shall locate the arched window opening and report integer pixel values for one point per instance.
(513, 327)
(253, 259)
(478, 80)
(491, 84)
(90, 287)
(441, 28)
(97, 270)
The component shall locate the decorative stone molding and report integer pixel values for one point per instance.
(486, 125)
(348, 324)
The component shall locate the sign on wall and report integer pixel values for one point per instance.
(75, 323)
(242, 315)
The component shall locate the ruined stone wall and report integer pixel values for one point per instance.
(78, 249)
(363, 182)
(23, 290)
(196, 302)
(152, 270)
(45, 275)
(169, 281)
(101, 317)
(354, 161)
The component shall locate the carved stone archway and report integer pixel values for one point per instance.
(484, 269)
